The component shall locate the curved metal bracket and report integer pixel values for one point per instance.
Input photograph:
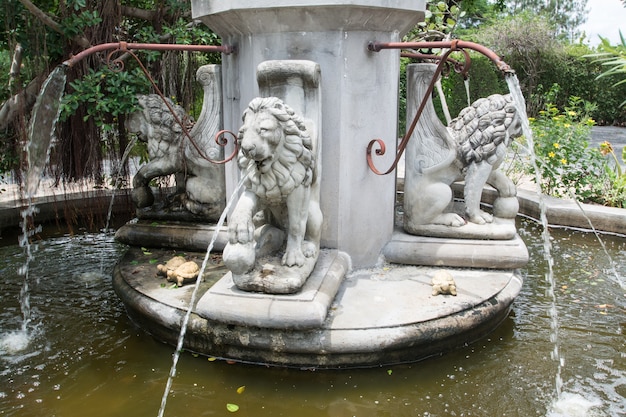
(405, 140)
(118, 65)
(451, 46)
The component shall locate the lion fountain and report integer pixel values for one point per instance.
(190, 157)
(279, 160)
(472, 149)
(315, 271)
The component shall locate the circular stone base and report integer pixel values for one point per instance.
(377, 316)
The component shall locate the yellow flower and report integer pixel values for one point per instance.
(566, 125)
(572, 113)
(556, 145)
(564, 161)
(531, 119)
(606, 148)
(551, 154)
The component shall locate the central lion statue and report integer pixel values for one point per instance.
(279, 163)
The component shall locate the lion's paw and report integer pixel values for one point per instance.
(480, 218)
(449, 219)
(293, 257)
(142, 196)
(309, 249)
(240, 231)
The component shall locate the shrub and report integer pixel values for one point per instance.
(568, 166)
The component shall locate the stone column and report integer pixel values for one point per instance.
(359, 97)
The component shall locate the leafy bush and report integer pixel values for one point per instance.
(106, 93)
(568, 166)
(576, 74)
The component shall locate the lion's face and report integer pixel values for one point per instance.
(136, 122)
(259, 137)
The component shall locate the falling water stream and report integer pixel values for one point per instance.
(520, 104)
(192, 301)
(467, 91)
(118, 175)
(44, 117)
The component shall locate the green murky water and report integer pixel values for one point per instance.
(87, 359)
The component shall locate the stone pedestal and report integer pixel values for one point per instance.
(359, 97)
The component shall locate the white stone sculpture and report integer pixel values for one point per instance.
(471, 149)
(281, 198)
(185, 273)
(190, 156)
(171, 265)
(443, 283)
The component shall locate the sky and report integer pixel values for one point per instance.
(606, 18)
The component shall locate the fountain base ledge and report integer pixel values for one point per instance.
(359, 318)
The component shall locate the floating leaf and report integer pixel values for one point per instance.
(233, 408)
(241, 389)
(212, 359)
(389, 371)
(153, 261)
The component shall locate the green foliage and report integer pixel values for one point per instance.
(440, 20)
(484, 79)
(568, 167)
(526, 41)
(576, 74)
(613, 60)
(75, 24)
(615, 195)
(440, 16)
(105, 92)
(566, 16)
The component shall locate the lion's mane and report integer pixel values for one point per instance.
(482, 127)
(165, 126)
(293, 165)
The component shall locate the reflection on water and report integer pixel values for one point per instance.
(88, 359)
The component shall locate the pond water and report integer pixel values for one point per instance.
(87, 358)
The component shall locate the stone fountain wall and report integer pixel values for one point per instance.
(359, 93)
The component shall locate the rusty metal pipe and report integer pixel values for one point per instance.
(124, 46)
(454, 45)
(409, 132)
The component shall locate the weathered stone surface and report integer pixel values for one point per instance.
(174, 147)
(358, 205)
(308, 308)
(409, 249)
(174, 235)
(379, 316)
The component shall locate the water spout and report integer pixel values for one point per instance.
(192, 301)
(45, 115)
(520, 104)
